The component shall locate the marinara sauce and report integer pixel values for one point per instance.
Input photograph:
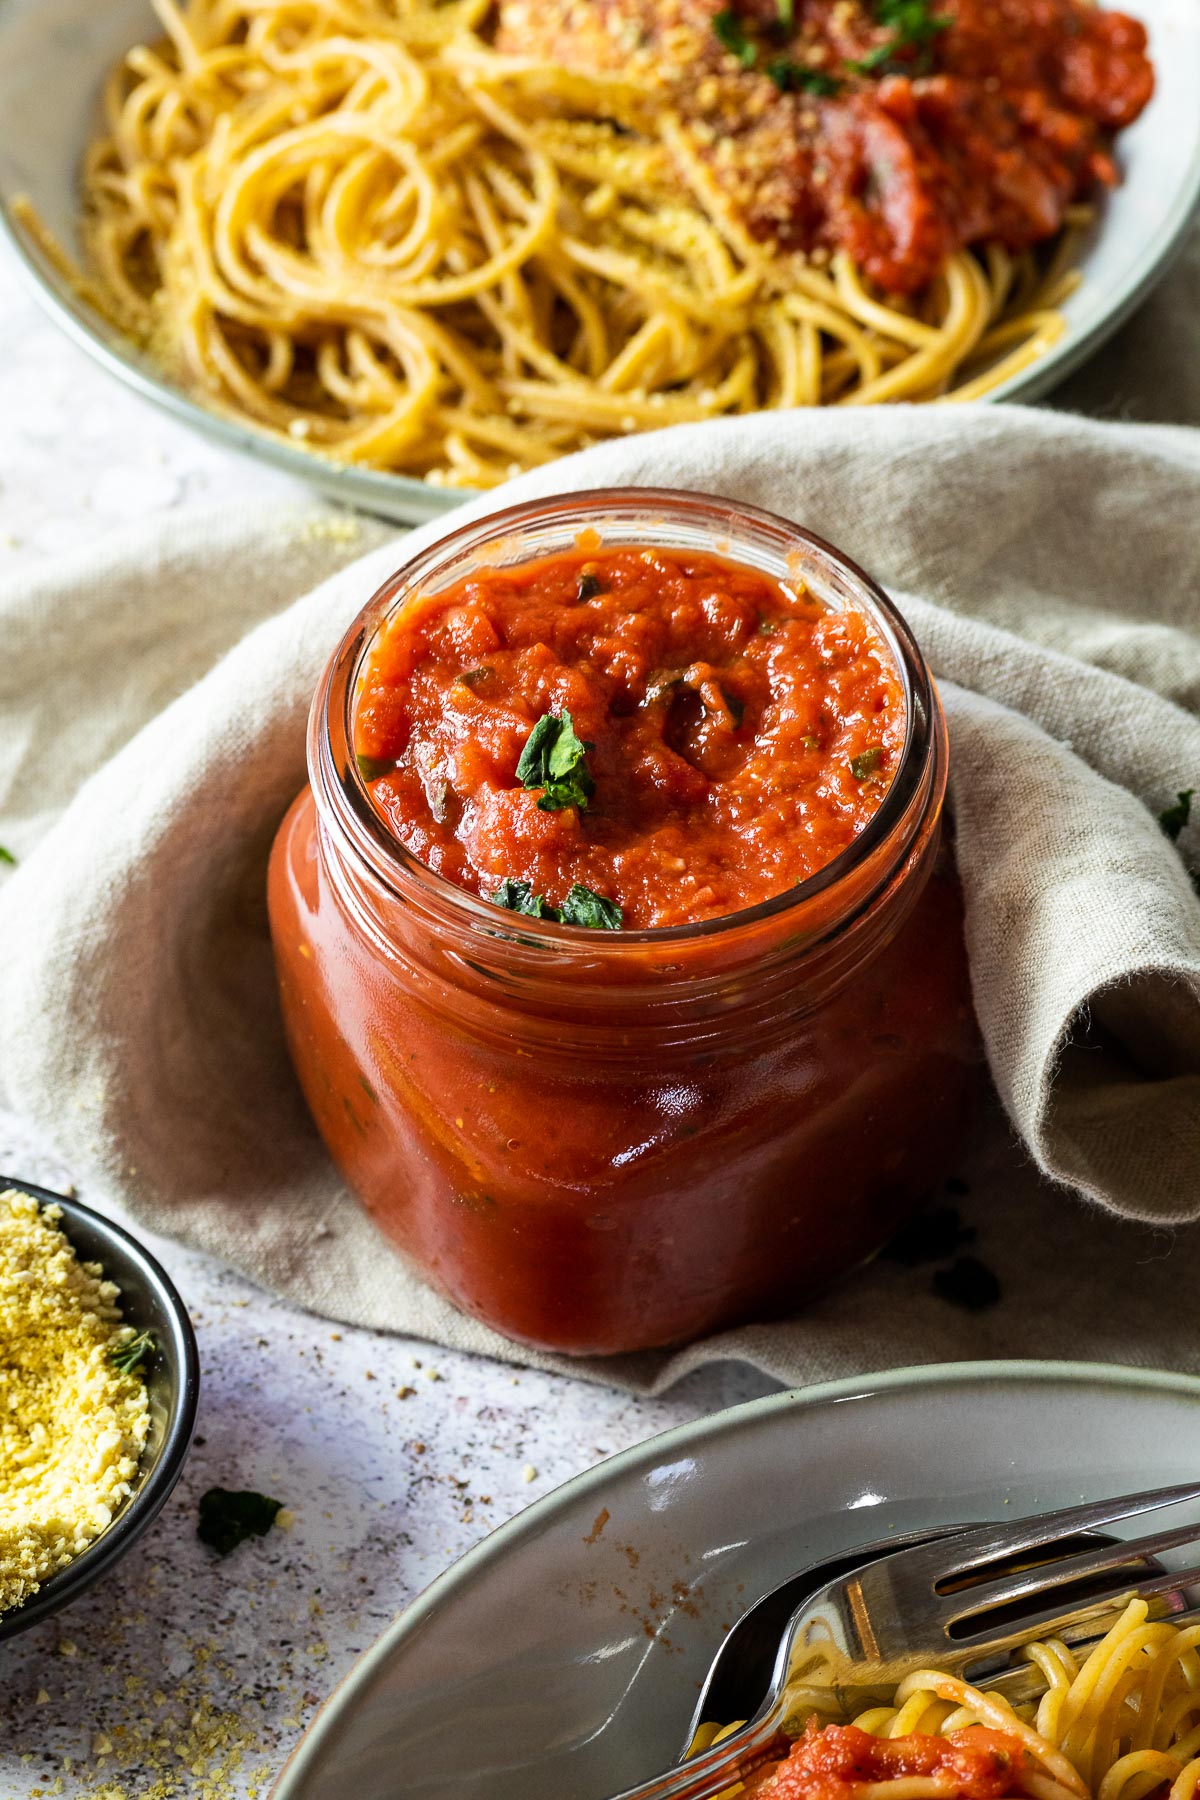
(715, 736)
(841, 1762)
(620, 959)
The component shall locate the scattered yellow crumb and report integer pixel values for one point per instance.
(529, 1473)
(333, 528)
(73, 1427)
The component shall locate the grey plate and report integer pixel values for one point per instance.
(149, 1301)
(561, 1657)
(53, 54)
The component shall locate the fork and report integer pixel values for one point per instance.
(962, 1603)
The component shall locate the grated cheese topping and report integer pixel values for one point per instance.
(72, 1426)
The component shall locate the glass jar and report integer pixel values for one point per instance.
(603, 1141)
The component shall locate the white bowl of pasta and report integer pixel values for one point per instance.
(562, 1656)
(403, 251)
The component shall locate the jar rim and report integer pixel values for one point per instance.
(343, 798)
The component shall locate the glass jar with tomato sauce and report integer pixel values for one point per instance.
(601, 1139)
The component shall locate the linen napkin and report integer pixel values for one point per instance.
(153, 697)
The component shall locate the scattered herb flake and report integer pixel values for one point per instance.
(6, 856)
(1176, 817)
(786, 13)
(130, 1354)
(930, 1236)
(798, 78)
(228, 1517)
(767, 627)
(554, 759)
(588, 586)
(519, 897)
(968, 1283)
(372, 767)
(866, 762)
(474, 678)
(583, 907)
(731, 35)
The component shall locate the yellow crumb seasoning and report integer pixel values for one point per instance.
(72, 1426)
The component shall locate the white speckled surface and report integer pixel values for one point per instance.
(386, 1490)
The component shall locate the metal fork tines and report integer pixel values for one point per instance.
(955, 1603)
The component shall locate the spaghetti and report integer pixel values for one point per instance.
(359, 225)
(1121, 1724)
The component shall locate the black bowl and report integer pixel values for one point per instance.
(150, 1302)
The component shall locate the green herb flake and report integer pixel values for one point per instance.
(132, 1352)
(866, 762)
(785, 11)
(228, 1517)
(1175, 818)
(588, 586)
(731, 35)
(798, 78)
(968, 1283)
(474, 678)
(583, 907)
(519, 897)
(931, 1236)
(6, 856)
(913, 26)
(554, 760)
(372, 767)
(767, 627)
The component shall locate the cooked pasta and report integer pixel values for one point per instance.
(360, 226)
(1119, 1723)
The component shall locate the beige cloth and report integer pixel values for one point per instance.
(152, 705)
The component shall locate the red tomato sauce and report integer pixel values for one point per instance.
(834, 1763)
(727, 735)
(902, 134)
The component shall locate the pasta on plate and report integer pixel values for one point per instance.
(374, 228)
(1119, 1723)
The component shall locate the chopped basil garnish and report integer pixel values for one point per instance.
(553, 759)
(475, 677)
(1176, 817)
(798, 78)
(6, 856)
(581, 906)
(228, 1517)
(132, 1352)
(731, 35)
(913, 27)
(588, 587)
(519, 897)
(372, 767)
(866, 762)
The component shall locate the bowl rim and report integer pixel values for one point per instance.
(146, 1504)
(296, 1771)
